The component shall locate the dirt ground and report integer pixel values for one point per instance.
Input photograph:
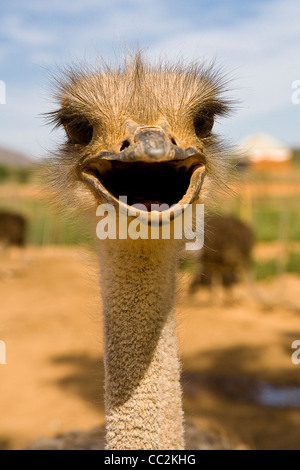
(230, 346)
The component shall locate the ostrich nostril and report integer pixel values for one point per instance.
(125, 144)
(173, 141)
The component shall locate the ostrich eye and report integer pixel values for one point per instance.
(79, 132)
(203, 125)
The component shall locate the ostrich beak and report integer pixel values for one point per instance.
(150, 171)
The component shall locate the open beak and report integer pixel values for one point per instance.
(152, 171)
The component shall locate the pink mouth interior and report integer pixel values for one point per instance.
(155, 205)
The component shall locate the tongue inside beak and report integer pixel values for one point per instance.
(154, 205)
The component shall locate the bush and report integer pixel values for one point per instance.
(296, 156)
(22, 175)
(269, 268)
(4, 173)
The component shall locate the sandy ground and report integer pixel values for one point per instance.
(53, 381)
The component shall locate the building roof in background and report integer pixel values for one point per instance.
(262, 147)
(14, 159)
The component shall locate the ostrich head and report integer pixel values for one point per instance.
(140, 131)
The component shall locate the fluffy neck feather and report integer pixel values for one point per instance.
(142, 391)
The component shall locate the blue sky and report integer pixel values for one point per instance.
(257, 42)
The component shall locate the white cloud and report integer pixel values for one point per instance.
(15, 29)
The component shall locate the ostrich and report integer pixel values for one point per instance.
(142, 131)
(12, 228)
(226, 255)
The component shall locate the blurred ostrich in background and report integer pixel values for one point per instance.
(226, 256)
(145, 132)
(12, 229)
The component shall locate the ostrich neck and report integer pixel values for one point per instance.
(142, 390)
